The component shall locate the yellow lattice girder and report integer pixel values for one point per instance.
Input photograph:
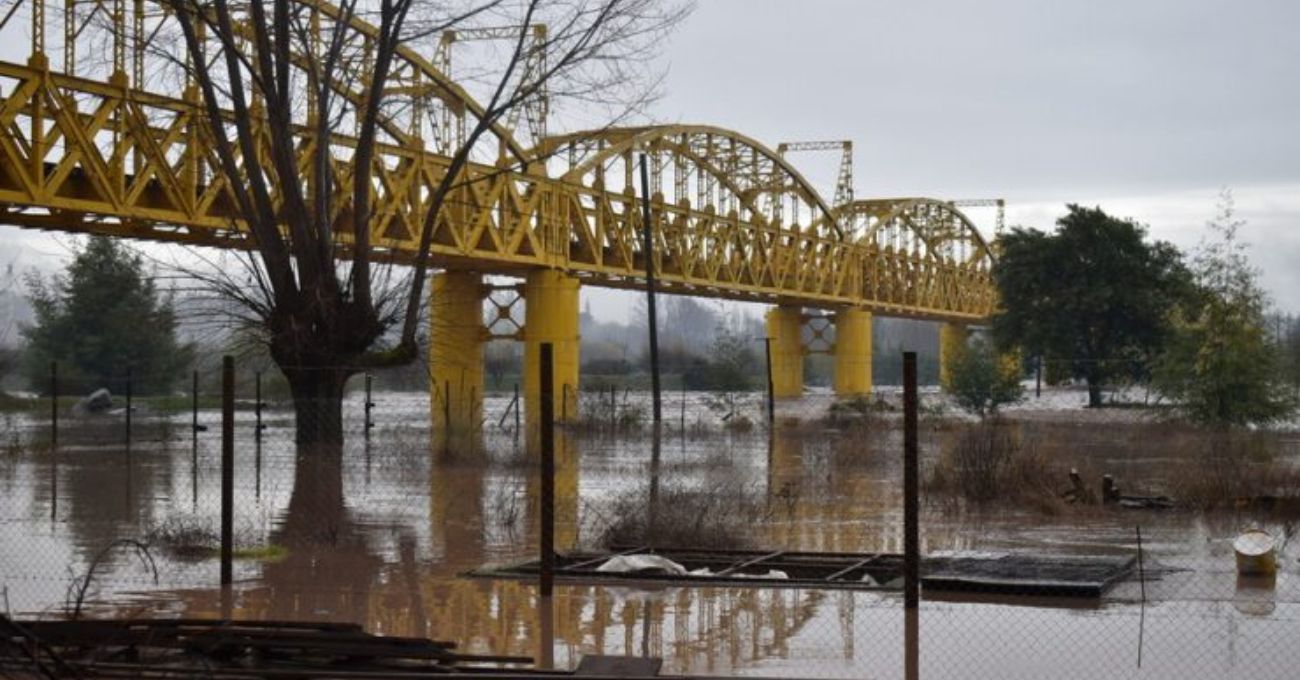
(731, 218)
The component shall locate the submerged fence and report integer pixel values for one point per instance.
(120, 513)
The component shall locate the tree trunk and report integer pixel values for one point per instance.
(1094, 392)
(318, 406)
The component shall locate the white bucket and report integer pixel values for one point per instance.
(1256, 553)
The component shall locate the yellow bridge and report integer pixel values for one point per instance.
(96, 144)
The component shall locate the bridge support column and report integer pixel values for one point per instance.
(551, 315)
(456, 337)
(852, 352)
(784, 328)
(952, 341)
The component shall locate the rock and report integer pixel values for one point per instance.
(98, 401)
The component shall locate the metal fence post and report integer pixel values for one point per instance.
(771, 390)
(227, 467)
(547, 531)
(911, 517)
(257, 407)
(54, 439)
(652, 320)
(257, 435)
(911, 505)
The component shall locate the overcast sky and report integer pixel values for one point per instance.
(1147, 108)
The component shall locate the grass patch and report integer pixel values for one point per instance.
(190, 538)
(270, 552)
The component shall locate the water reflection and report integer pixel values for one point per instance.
(331, 566)
(383, 538)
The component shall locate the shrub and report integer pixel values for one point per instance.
(981, 381)
(1235, 468)
(721, 515)
(987, 463)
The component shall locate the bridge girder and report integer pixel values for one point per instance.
(731, 217)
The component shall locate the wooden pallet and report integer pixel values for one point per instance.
(1030, 575)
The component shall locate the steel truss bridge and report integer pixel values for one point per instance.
(93, 143)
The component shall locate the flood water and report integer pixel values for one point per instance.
(384, 535)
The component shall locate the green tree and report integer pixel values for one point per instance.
(101, 317)
(981, 381)
(1222, 367)
(730, 366)
(1292, 349)
(1094, 294)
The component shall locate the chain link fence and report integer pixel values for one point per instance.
(119, 515)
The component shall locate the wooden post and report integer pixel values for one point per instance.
(127, 497)
(227, 467)
(911, 526)
(128, 410)
(1038, 377)
(547, 531)
(653, 320)
(194, 410)
(370, 404)
(771, 391)
(54, 406)
(911, 502)
(257, 435)
(195, 428)
(683, 416)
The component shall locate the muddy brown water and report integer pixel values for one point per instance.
(382, 536)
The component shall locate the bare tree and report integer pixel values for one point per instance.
(276, 76)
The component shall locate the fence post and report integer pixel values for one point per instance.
(126, 505)
(54, 439)
(1038, 377)
(771, 390)
(516, 413)
(911, 517)
(128, 409)
(257, 435)
(257, 407)
(683, 417)
(370, 404)
(227, 466)
(194, 410)
(653, 319)
(547, 531)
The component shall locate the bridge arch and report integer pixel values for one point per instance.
(416, 87)
(697, 165)
(932, 228)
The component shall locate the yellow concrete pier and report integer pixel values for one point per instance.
(784, 328)
(551, 300)
(456, 337)
(852, 352)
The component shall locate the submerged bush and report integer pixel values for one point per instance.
(1228, 469)
(721, 515)
(987, 463)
